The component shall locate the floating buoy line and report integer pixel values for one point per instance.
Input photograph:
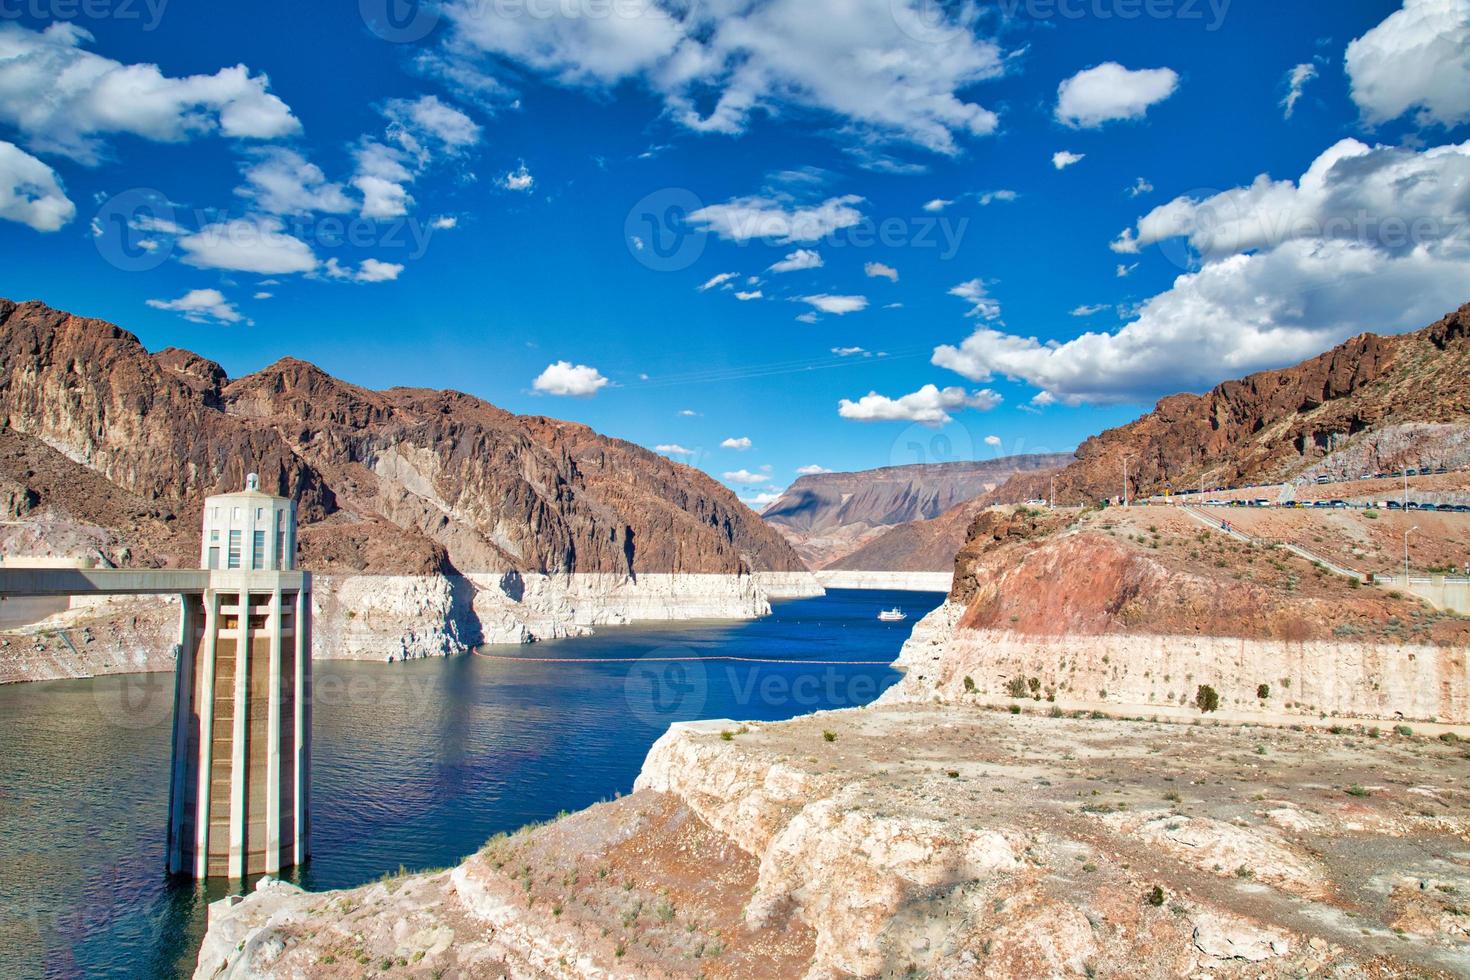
(671, 660)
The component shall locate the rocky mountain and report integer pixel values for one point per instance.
(404, 480)
(830, 516)
(1371, 404)
(475, 525)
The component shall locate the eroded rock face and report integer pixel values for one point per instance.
(888, 519)
(933, 840)
(405, 496)
(409, 480)
(1319, 416)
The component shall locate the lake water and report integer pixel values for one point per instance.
(415, 764)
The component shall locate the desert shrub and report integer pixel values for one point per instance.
(1403, 730)
(1155, 897)
(1015, 709)
(1016, 687)
(829, 736)
(1263, 691)
(1207, 698)
(969, 684)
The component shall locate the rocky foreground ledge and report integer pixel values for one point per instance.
(941, 841)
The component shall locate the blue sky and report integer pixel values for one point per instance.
(839, 230)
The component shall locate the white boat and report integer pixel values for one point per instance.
(894, 615)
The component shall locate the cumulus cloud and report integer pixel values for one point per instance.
(937, 205)
(930, 405)
(432, 118)
(759, 501)
(877, 270)
(64, 99)
(258, 244)
(988, 198)
(201, 306)
(1296, 85)
(885, 66)
(1062, 159)
(802, 258)
(719, 279)
(1370, 238)
(992, 440)
(1418, 58)
(674, 449)
(746, 218)
(741, 443)
(982, 304)
(444, 223)
(1140, 187)
(371, 270)
(851, 352)
(30, 191)
(812, 470)
(746, 297)
(745, 478)
(282, 181)
(1089, 309)
(1111, 92)
(519, 179)
(564, 378)
(419, 132)
(837, 305)
(1124, 271)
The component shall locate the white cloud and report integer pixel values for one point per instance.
(429, 117)
(928, 406)
(30, 191)
(1124, 271)
(1370, 238)
(674, 449)
(936, 205)
(201, 306)
(282, 181)
(1140, 187)
(802, 258)
(990, 197)
(983, 305)
(745, 218)
(1062, 159)
(992, 440)
(519, 179)
(371, 270)
(263, 295)
(1296, 81)
(837, 305)
(876, 63)
(745, 478)
(718, 279)
(808, 317)
(877, 270)
(851, 352)
(812, 470)
(688, 413)
(1091, 309)
(64, 99)
(760, 501)
(258, 244)
(444, 223)
(564, 378)
(741, 444)
(382, 173)
(746, 297)
(1110, 92)
(1418, 58)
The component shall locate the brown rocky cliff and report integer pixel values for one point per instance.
(403, 480)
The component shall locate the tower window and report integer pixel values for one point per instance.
(257, 550)
(234, 554)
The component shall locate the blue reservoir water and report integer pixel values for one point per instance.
(415, 764)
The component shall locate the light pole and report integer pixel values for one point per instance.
(1125, 479)
(1053, 493)
(1406, 554)
(1406, 489)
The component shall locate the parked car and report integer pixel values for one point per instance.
(1395, 505)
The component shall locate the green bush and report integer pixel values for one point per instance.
(1263, 691)
(1016, 687)
(1207, 699)
(1156, 897)
(829, 736)
(969, 684)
